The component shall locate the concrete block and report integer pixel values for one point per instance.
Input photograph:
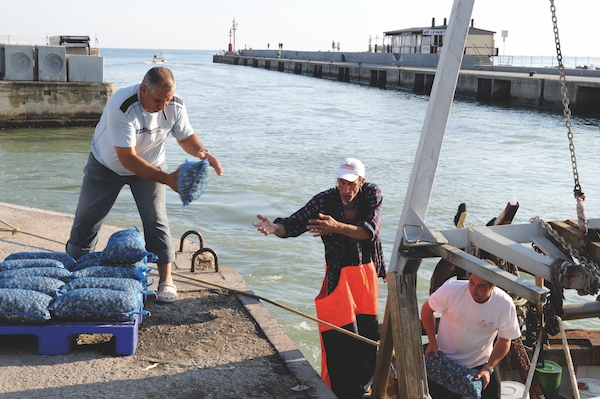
(17, 62)
(85, 68)
(51, 63)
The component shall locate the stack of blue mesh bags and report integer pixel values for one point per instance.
(107, 286)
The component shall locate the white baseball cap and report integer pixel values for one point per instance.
(350, 169)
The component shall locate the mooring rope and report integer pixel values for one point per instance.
(333, 327)
(16, 230)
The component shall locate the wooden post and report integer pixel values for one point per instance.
(402, 276)
(386, 349)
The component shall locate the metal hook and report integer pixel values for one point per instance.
(200, 251)
(187, 233)
(416, 240)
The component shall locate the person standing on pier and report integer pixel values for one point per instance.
(348, 220)
(474, 313)
(128, 149)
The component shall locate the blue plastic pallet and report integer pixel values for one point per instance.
(53, 337)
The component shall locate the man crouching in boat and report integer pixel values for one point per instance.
(473, 312)
(348, 220)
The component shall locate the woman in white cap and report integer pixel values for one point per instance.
(348, 220)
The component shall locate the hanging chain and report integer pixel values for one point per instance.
(565, 101)
(579, 196)
(590, 269)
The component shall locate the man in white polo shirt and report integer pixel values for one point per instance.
(128, 149)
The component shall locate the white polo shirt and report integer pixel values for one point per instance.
(125, 123)
(467, 329)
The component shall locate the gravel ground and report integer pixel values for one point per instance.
(207, 344)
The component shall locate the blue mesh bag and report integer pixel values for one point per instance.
(111, 283)
(54, 272)
(90, 256)
(87, 263)
(126, 247)
(453, 376)
(24, 263)
(18, 306)
(66, 260)
(97, 304)
(192, 181)
(45, 285)
(137, 273)
(99, 262)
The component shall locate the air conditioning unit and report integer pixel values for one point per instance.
(18, 62)
(51, 63)
(85, 68)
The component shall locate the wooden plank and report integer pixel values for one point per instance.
(402, 275)
(384, 357)
(572, 236)
(406, 331)
(421, 181)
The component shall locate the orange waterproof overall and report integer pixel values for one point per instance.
(347, 363)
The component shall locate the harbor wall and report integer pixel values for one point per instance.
(391, 59)
(41, 104)
(522, 87)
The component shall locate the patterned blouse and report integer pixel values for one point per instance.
(340, 250)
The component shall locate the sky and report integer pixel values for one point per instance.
(310, 25)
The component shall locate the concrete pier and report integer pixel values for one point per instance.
(41, 104)
(537, 88)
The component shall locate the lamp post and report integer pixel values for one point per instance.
(234, 28)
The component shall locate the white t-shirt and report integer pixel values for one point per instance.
(467, 329)
(125, 123)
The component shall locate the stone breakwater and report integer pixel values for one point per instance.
(537, 88)
(42, 104)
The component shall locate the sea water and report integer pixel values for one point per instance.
(280, 136)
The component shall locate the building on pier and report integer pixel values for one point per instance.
(429, 40)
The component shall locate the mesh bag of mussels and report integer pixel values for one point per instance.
(192, 180)
(98, 262)
(25, 263)
(54, 272)
(65, 259)
(137, 273)
(47, 285)
(126, 247)
(111, 283)
(18, 306)
(453, 376)
(107, 286)
(97, 304)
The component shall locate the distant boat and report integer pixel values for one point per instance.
(158, 58)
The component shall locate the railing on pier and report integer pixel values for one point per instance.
(483, 55)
